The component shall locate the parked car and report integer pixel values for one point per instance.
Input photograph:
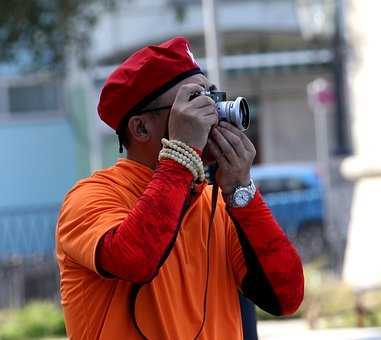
(295, 195)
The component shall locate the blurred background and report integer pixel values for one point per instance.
(310, 71)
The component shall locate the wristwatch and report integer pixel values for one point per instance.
(241, 196)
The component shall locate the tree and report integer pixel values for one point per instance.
(36, 33)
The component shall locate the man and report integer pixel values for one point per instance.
(139, 253)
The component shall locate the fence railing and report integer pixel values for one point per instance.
(30, 231)
(27, 231)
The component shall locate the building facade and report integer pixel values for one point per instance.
(264, 58)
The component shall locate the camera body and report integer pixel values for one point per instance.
(235, 112)
(217, 96)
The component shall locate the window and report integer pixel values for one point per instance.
(34, 98)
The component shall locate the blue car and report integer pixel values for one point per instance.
(295, 195)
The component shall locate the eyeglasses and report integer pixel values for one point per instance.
(138, 113)
(151, 110)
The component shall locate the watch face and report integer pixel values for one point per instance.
(242, 197)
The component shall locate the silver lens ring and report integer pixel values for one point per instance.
(235, 112)
(241, 113)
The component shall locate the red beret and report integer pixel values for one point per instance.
(144, 76)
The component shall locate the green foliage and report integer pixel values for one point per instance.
(330, 303)
(344, 314)
(36, 32)
(325, 295)
(36, 320)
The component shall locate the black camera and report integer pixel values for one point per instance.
(235, 112)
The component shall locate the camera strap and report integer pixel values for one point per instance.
(212, 213)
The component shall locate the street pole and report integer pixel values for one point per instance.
(212, 42)
(322, 99)
(338, 72)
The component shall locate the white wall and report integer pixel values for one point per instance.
(137, 23)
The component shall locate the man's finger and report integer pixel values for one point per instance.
(212, 120)
(217, 154)
(227, 150)
(186, 91)
(235, 141)
(248, 144)
(233, 129)
(203, 101)
(230, 127)
(206, 112)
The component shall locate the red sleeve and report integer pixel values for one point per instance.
(274, 274)
(136, 249)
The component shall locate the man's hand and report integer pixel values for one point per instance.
(191, 121)
(234, 154)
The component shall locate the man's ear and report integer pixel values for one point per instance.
(138, 130)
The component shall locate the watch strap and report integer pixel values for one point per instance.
(230, 197)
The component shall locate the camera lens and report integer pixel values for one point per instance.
(235, 112)
(244, 113)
